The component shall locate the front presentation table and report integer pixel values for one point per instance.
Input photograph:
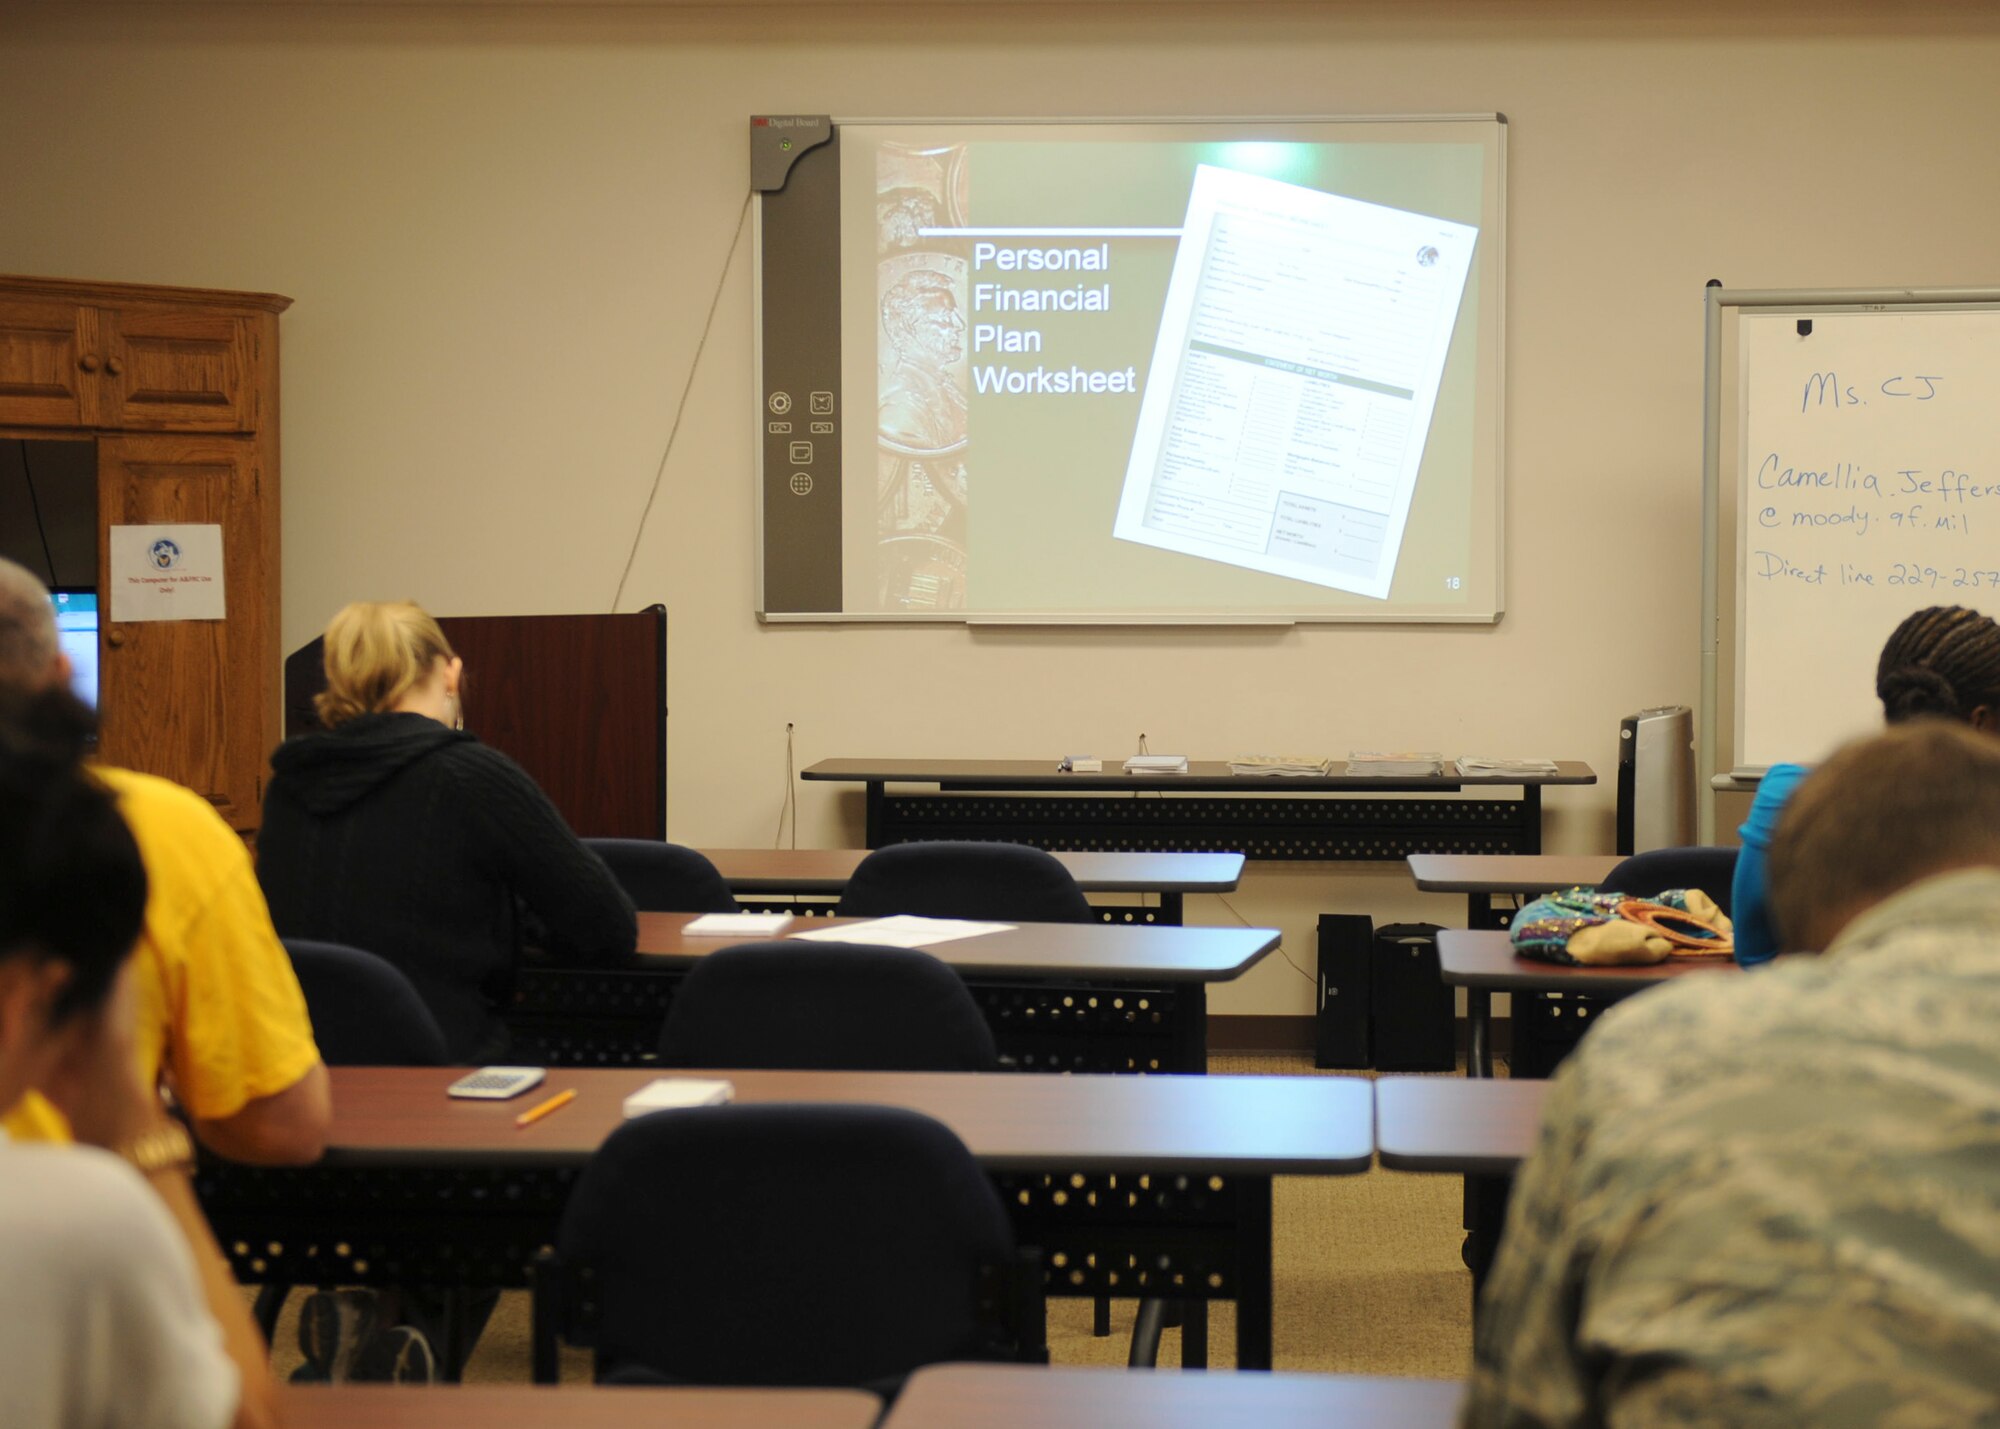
(823, 873)
(1029, 1397)
(1208, 808)
(1483, 962)
(1060, 996)
(1129, 1186)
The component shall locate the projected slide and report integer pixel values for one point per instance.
(1131, 369)
(1293, 381)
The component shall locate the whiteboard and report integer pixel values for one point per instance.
(1866, 486)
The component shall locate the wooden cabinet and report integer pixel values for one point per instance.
(179, 387)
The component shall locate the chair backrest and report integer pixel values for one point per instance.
(364, 1011)
(947, 879)
(663, 877)
(826, 1006)
(783, 1245)
(1711, 868)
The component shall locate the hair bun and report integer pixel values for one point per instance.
(1909, 691)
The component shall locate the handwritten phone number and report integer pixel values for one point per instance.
(1931, 577)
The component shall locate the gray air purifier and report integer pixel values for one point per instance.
(1656, 779)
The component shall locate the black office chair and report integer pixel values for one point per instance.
(664, 878)
(828, 1006)
(785, 1245)
(1005, 882)
(1711, 868)
(364, 1012)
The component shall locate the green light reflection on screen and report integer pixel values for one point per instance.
(1293, 162)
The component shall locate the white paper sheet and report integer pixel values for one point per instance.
(166, 573)
(1293, 381)
(904, 930)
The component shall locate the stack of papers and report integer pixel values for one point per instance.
(905, 930)
(1156, 764)
(1400, 762)
(676, 1093)
(1468, 765)
(1299, 764)
(737, 925)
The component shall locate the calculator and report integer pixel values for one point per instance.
(497, 1083)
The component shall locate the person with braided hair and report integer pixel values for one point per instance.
(1943, 662)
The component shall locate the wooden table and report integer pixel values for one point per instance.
(1208, 808)
(1130, 1186)
(1483, 962)
(1025, 1396)
(1060, 996)
(1483, 877)
(510, 1406)
(823, 872)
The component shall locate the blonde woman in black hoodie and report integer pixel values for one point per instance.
(394, 831)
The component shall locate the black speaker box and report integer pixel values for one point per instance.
(1411, 1006)
(1346, 948)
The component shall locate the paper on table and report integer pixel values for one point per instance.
(675, 1093)
(736, 925)
(904, 930)
(1467, 764)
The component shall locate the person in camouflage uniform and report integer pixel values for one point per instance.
(1775, 1198)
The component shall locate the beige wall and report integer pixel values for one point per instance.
(503, 229)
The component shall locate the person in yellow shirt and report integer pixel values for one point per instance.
(221, 1020)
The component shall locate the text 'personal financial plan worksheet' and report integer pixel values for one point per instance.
(1293, 381)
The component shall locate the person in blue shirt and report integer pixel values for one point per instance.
(1943, 663)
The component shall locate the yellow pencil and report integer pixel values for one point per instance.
(555, 1103)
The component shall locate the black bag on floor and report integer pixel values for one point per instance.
(1411, 1008)
(1346, 949)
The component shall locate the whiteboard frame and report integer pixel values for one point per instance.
(1730, 306)
(1275, 616)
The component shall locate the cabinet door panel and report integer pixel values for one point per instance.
(43, 346)
(178, 369)
(187, 699)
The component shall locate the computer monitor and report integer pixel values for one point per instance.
(76, 630)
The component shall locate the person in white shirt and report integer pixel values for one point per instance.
(118, 1306)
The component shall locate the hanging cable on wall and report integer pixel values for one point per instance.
(788, 807)
(680, 408)
(34, 503)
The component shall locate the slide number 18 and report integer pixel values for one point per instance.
(1451, 582)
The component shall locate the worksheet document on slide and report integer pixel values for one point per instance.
(1293, 380)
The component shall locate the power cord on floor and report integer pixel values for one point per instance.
(1281, 947)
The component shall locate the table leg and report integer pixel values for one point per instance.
(1253, 1273)
(1170, 908)
(1486, 1214)
(1479, 1023)
(877, 798)
(1146, 1329)
(1190, 1036)
(1194, 1334)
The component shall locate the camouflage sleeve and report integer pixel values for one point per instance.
(1525, 1370)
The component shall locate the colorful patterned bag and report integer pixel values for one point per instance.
(1580, 926)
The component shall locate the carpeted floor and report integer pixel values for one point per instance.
(1366, 1269)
